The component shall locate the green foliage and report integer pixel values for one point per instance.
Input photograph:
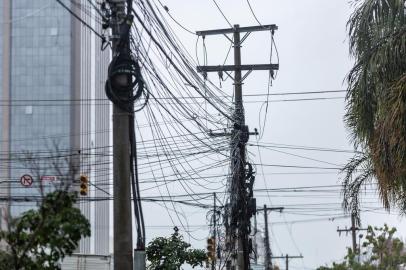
(381, 251)
(5, 260)
(376, 101)
(170, 253)
(40, 239)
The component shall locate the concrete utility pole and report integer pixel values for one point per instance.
(353, 231)
(287, 257)
(241, 201)
(123, 247)
(268, 252)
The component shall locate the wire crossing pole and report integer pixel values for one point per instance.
(241, 201)
(287, 257)
(268, 252)
(239, 158)
(353, 231)
(123, 248)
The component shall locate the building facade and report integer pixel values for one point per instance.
(53, 107)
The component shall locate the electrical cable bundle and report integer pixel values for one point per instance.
(124, 84)
(124, 66)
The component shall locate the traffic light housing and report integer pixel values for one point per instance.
(211, 249)
(84, 185)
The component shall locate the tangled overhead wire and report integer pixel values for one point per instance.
(125, 83)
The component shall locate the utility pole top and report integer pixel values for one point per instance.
(287, 257)
(268, 252)
(353, 229)
(269, 27)
(242, 203)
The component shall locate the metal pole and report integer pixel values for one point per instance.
(123, 248)
(287, 261)
(268, 263)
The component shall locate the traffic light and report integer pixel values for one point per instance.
(211, 249)
(84, 185)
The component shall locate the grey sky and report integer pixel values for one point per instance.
(313, 52)
(313, 57)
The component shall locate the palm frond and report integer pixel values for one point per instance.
(358, 174)
(377, 33)
(376, 102)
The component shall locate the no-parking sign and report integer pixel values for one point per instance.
(26, 180)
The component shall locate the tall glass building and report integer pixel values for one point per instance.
(53, 107)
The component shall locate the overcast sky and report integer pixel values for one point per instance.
(313, 53)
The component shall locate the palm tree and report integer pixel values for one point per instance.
(376, 102)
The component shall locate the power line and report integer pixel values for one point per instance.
(253, 13)
(297, 166)
(81, 20)
(181, 97)
(176, 21)
(222, 13)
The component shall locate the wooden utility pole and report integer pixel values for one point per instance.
(240, 200)
(268, 252)
(255, 240)
(287, 257)
(123, 247)
(354, 229)
(239, 156)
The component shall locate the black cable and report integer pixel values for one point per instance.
(173, 19)
(81, 20)
(135, 186)
(187, 80)
(222, 13)
(167, 208)
(123, 65)
(253, 13)
(179, 97)
(96, 8)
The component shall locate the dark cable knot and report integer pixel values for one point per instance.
(124, 84)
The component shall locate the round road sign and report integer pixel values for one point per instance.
(26, 180)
